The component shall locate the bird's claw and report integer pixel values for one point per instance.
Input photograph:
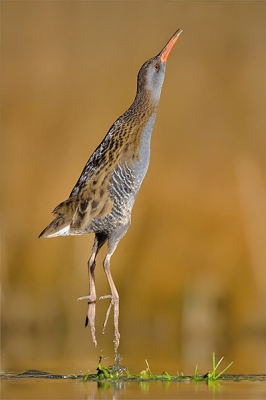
(107, 296)
(84, 298)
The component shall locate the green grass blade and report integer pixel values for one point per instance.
(219, 362)
(196, 371)
(213, 363)
(228, 366)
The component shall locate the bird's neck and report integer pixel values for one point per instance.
(142, 109)
(146, 100)
(133, 129)
(138, 123)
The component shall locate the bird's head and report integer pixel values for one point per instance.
(152, 72)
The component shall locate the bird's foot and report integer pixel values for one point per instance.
(114, 302)
(90, 317)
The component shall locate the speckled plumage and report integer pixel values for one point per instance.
(103, 197)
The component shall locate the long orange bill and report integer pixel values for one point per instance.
(168, 47)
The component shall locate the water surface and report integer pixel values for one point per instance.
(32, 388)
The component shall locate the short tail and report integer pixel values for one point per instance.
(60, 226)
(56, 228)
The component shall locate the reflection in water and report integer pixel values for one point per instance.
(115, 387)
(172, 390)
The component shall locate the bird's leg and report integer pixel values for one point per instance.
(113, 241)
(114, 301)
(90, 317)
(91, 313)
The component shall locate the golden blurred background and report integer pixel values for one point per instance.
(190, 271)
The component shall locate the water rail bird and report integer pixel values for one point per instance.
(102, 199)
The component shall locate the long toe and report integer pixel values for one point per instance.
(90, 319)
(117, 334)
(91, 313)
(115, 303)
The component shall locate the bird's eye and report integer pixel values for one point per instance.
(156, 67)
